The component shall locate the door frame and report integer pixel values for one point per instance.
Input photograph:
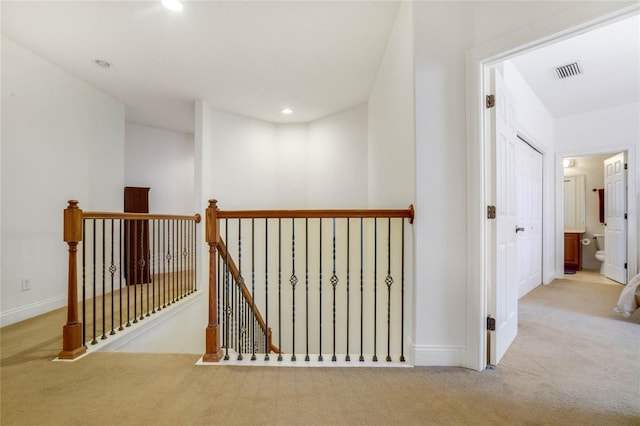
(480, 172)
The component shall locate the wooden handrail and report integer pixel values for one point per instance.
(138, 216)
(295, 214)
(246, 294)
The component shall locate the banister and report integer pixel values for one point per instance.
(176, 280)
(297, 214)
(139, 216)
(218, 247)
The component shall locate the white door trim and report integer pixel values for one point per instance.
(562, 26)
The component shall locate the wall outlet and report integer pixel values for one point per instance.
(26, 284)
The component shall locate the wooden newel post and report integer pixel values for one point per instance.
(213, 350)
(72, 346)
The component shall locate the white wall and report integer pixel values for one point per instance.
(449, 284)
(252, 164)
(337, 166)
(61, 139)
(537, 126)
(163, 161)
(392, 177)
(607, 130)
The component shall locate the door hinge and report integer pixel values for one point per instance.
(491, 324)
(491, 212)
(625, 266)
(625, 215)
(625, 166)
(491, 101)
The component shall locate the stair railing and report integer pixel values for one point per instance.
(133, 265)
(346, 294)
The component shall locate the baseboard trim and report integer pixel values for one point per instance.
(432, 355)
(32, 310)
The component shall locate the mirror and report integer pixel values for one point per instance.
(574, 202)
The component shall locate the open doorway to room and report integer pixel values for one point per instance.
(562, 116)
(590, 198)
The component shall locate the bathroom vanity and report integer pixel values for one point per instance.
(572, 250)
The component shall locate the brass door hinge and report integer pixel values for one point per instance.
(491, 212)
(491, 324)
(491, 101)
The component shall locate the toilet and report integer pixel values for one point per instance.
(600, 250)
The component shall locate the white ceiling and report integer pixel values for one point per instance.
(254, 58)
(251, 58)
(610, 60)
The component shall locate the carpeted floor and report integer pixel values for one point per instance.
(574, 361)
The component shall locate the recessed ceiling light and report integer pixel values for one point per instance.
(102, 63)
(173, 5)
(287, 111)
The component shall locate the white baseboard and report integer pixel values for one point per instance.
(34, 309)
(431, 355)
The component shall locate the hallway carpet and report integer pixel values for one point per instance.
(574, 362)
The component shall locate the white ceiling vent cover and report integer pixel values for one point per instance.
(569, 70)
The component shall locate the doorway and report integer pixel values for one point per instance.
(482, 170)
(585, 214)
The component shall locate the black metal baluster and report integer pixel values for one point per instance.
(306, 284)
(219, 283)
(146, 266)
(183, 260)
(169, 259)
(112, 270)
(84, 283)
(154, 263)
(334, 283)
(361, 359)
(266, 289)
(166, 240)
(121, 274)
(94, 341)
(227, 307)
(128, 255)
(240, 298)
(194, 255)
(389, 282)
(163, 269)
(293, 280)
(253, 287)
(375, 289)
(135, 271)
(104, 281)
(180, 263)
(279, 289)
(320, 296)
(175, 256)
(142, 262)
(402, 296)
(348, 357)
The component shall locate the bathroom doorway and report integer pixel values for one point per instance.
(589, 202)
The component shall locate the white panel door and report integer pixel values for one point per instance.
(503, 302)
(529, 230)
(615, 208)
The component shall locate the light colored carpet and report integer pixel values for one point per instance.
(573, 362)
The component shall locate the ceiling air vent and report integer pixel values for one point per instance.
(567, 71)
